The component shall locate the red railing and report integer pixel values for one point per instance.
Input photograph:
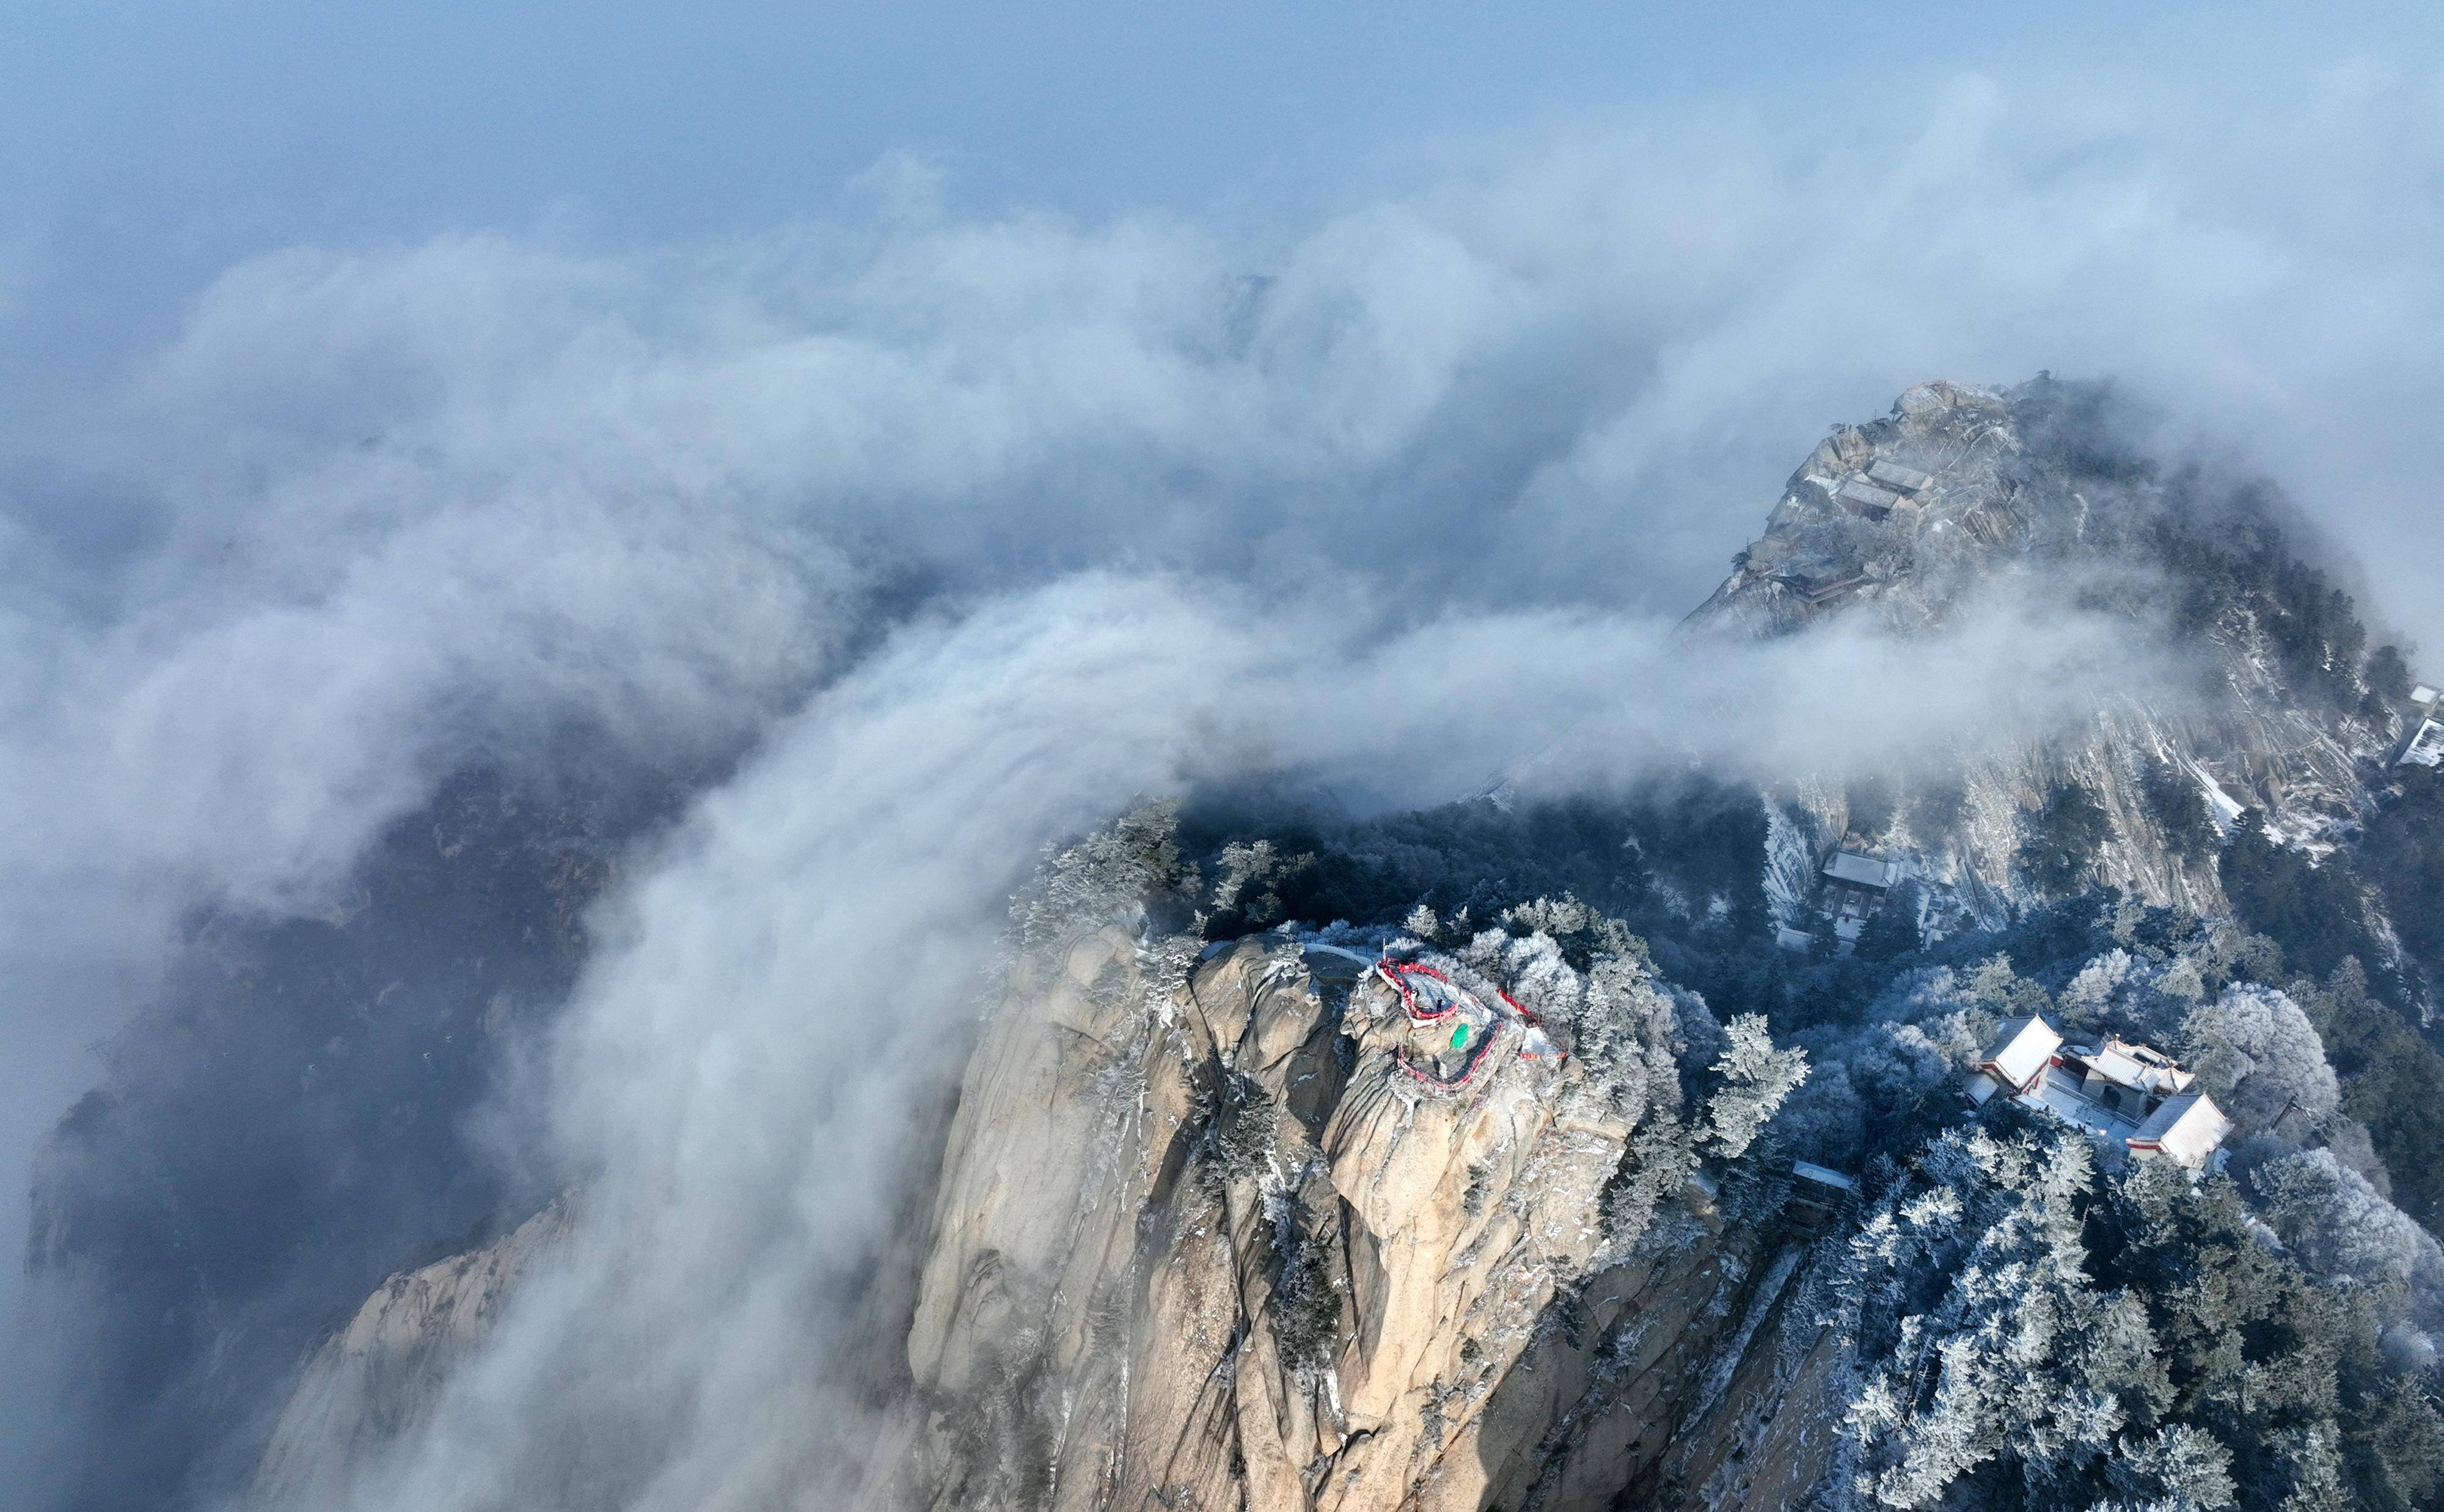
(1395, 972)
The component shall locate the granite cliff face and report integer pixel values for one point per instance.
(381, 1373)
(1249, 1258)
(1960, 489)
(1243, 1227)
(1232, 1230)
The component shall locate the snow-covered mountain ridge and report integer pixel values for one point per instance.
(1227, 1219)
(1907, 517)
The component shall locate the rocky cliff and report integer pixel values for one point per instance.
(1263, 1225)
(1256, 1254)
(1909, 518)
(381, 1372)
(1235, 1230)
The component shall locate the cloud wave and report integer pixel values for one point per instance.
(972, 527)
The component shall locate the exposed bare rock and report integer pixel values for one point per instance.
(1245, 1231)
(377, 1378)
(1907, 517)
(1213, 1247)
(1237, 1230)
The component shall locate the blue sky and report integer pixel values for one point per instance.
(152, 143)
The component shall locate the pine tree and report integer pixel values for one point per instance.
(1756, 1078)
(1892, 929)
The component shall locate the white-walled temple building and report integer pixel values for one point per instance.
(2120, 1093)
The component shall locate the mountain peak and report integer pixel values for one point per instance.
(1908, 511)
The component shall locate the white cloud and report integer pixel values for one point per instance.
(1163, 494)
(740, 1077)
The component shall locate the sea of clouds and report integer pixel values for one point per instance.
(970, 527)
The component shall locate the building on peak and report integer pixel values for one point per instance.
(1897, 477)
(2122, 1093)
(2017, 1058)
(1860, 497)
(2188, 1130)
(1884, 486)
(1851, 869)
(1856, 886)
(2131, 1074)
(1818, 1193)
(2422, 741)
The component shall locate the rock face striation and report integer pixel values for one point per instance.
(1247, 1228)
(1960, 489)
(1220, 1230)
(1233, 1229)
(1219, 1245)
(383, 1373)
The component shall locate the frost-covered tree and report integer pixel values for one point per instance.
(1660, 1157)
(2178, 1468)
(2172, 800)
(1756, 1075)
(1536, 976)
(2261, 1352)
(1891, 930)
(2256, 1052)
(1825, 1119)
(2062, 837)
(2001, 991)
(1242, 865)
(2338, 1226)
(2091, 999)
(1111, 872)
(2029, 1332)
(1583, 933)
(1992, 1358)
(1886, 1084)
(2314, 1469)
(1253, 874)
(1628, 1034)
